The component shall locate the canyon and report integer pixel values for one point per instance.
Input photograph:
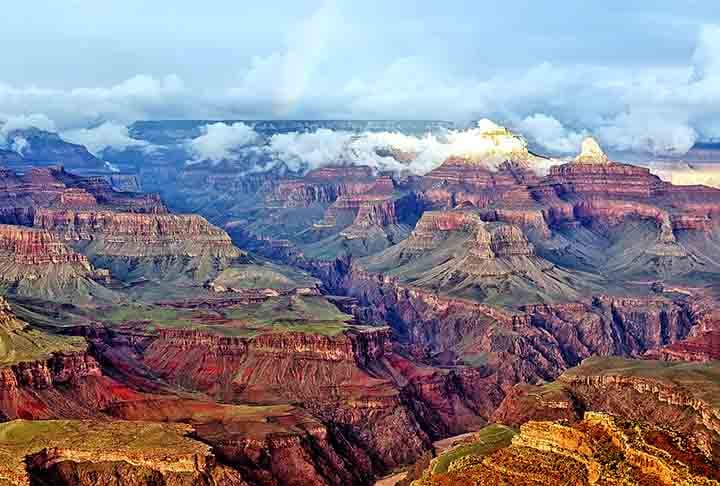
(327, 328)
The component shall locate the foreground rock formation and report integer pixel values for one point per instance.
(599, 449)
(100, 452)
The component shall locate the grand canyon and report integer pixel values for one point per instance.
(461, 268)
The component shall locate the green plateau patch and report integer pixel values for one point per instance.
(20, 342)
(701, 380)
(485, 442)
(152, 441)
(292, 313)
(269, 275)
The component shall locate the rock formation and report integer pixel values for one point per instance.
(600, 449)
(93, 452)
(35, 263)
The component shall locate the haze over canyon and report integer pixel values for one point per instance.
(313, 244)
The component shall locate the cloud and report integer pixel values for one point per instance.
(551, 134)
(220, 141)
(11, 123)
(281, 80)
(685, 175)
(392, 151)
(140, 97)
(108, 135)
(660, 110)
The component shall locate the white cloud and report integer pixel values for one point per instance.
(220, 141)
(139, 97)
(108, 135)
(551, 134)
(282, 79)
(660, 110)
(392, 151)
(11, 123)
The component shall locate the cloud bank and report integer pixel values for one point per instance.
(110, 135)
(662, 110)
(383, 151)
(220, 141)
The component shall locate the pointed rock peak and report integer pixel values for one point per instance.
(591, 153)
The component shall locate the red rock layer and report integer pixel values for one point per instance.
(158, 232)
(704, 347)
(64, 385)
(457, 183)
(601, 179)
(538, 343)
(34, 247)
(369, 209)
(21, 195)
(327, 184)
(573, 193)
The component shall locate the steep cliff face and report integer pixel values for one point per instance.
(36, 247)
(133, 245)
(459, 183)
(537, 343)
(45, 375)
(129, 234)
(591, 192)
(21, 195)
(610, 179)
(703, 347)
(369, 397)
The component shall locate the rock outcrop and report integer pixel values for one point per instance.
(133, 234)
(99, 452)
(35, 263)
(462, 256)
(37, 247)
(599, 449)
(327, 184)
(677, 395)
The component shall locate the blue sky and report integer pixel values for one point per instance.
(643, 74)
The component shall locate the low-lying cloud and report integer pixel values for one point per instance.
(109, 135)
(12, 123)
(220, 141)
(383, 151)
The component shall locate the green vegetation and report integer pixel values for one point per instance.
(264, 276)
(292, 313)
(485, 442)
(702, 380)
(21, 438)
(19, 342)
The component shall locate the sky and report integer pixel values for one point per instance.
(639, 75)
